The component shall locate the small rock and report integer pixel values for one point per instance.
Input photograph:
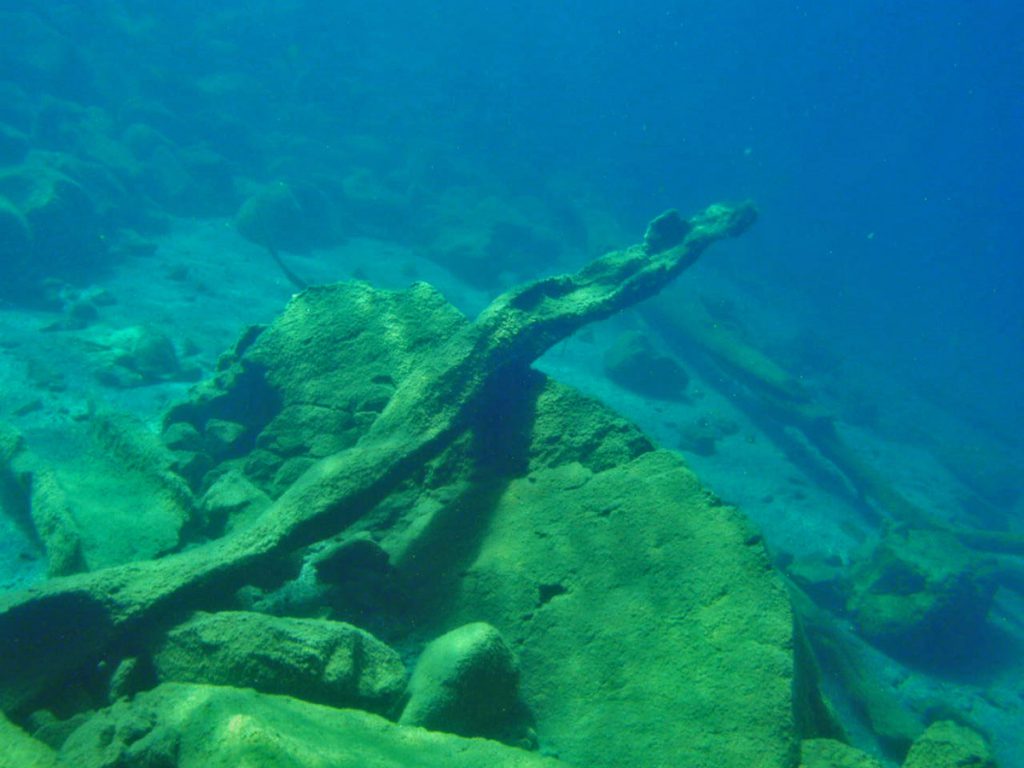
(222, 438)
(128, 679)
(231, 502)
(948, 745)
(182, 436)
(467, 682)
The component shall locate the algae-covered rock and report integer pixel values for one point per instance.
(137, 356)
(466, 682)
(232, 501)
(32, 498)
(296, 405)
(486, 239)
(321, 661)
(627, 589)
(922, 595)
(828, 753)
(948, 745)
(198, 726)
(701, 435)
(649, 626)
(665, 231)
(19, 750)
(105, 495)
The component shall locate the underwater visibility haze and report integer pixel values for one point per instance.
(511, 384)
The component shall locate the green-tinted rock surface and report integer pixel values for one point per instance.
(948, 745)
(649, 626)
(466, 682)
(312, 659)
(195, 726)
(922, 594)
(19, 750)
(827, 753)
(125, 501)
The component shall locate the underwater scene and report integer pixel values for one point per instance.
(584, 384)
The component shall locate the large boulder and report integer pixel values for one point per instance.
(312, 659)
(198, 726)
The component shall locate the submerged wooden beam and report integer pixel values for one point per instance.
(51, 631)
(770, 391)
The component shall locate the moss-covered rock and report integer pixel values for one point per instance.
(828, 753)
(648, 623)
(20, 750)
(949, 745)
(293, 404)
(31, 496)
(923, 596)
(198, 726)
(467, 682)
(312, 659)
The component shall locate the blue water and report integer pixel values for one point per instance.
(880, 141)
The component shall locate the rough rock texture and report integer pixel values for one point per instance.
(106, 495)
(196, 726)
(31, 496)
(137, 356)
(827, 753)
(125, 501)
(649, 626)
(948, 745)
(466, 682)
(320, 661)
(922, 594)
(858, 678)
(19, 750)
(294, 408)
